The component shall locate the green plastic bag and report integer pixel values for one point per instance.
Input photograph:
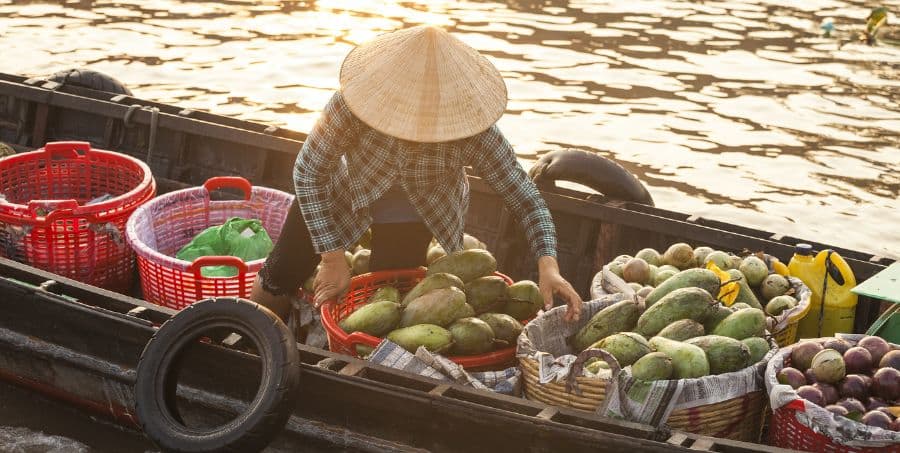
(243, 238)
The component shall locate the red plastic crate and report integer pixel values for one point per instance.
(362, 287)
(787, 432)
(46, 223)
(163, 226)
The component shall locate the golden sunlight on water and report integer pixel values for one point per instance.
(734, 110)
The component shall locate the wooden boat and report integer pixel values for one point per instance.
(81, 344)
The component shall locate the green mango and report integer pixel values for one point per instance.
(745, 295)
(465, 264)
(626, 347)
(618, 317)
(715, 315)
(525, 300)
(683, 303)
(723, 353)
(779, 304)
(698, 278)
(359, 264)
(748, 322)
(759, 347)
(439, 306)
(376, 318)
(386, 293)
(471, 336)
(689, 361)
(487, 294)
(430, 283)
(655, 366)
(432, 337)
(505, 327)
(682, 330)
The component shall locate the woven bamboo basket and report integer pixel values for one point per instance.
(788, 335)
(738, 418)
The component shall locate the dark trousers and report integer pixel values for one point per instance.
(293, 260)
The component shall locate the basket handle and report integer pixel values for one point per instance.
(224, 260)
(356, 338)
(67, 149)
(56, 208)
(234, 182)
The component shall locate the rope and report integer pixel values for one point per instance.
(824, 293)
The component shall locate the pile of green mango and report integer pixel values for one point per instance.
(679, 330)
(459, 308)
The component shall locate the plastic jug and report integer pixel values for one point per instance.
(840, 303)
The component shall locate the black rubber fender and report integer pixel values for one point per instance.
(597, 172)
(88, 78)
(155, 386)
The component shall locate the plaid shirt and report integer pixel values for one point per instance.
(345, 165)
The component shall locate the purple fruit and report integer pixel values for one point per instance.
(803, 353)
(811, 394)
(886, 383)
(867, 379)
(810, 377)
(792, 377)
(876, 346)
(891, 360)
(837, 344)
(837, 410)
(877, 418)
(895, 425)
(886, 410)
(853, 386)
(858, 360)
(829, 392)
(852, 405)
(874, 403)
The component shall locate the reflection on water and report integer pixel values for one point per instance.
(734, 110)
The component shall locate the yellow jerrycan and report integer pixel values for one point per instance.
(826, 274)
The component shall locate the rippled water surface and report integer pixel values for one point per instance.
(734, 110)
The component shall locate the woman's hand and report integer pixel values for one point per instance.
(552, 283)
(333, 278)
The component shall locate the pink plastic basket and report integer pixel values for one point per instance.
(47, 219)
(160, 228)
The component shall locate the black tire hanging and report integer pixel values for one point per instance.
(88, 78)
(597, 172)
(155, 386)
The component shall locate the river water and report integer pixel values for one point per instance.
(735, 110)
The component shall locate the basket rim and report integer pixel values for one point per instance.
(146, 252)
(147, 182)
(333, 329)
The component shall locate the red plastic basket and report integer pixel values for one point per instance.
(786, 431)
(163, 226)
(45, 221)
(361, 289)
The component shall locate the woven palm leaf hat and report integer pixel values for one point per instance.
(421, 84)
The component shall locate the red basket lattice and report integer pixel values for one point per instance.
(45, 220)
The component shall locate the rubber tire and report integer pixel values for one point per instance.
(88, 78)
(597, 172)
(266, 414)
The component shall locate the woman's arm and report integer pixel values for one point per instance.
(494, 159)
(319, 159)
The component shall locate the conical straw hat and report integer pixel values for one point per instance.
(422, 84)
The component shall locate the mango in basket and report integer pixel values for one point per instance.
(748, 322)
(525, 300)
(505, 327)
(432, 337)
(471, 336)
(465, 264)
(618, 317)
(724, 354)
(430, 283)
(626, 347)
(689, 361)
(440, 307)
(698, 278)
(487, 294)
(683, 303)
(759, 347)
(745, 294)
(376, 318)
(682, 329)
(655, 366)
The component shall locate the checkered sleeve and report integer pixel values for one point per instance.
(318, 160)
(494, 159)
